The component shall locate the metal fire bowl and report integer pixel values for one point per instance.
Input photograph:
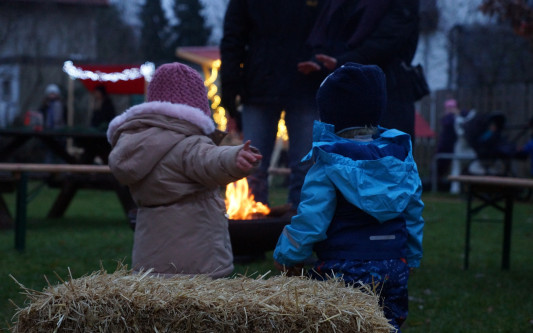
(252, 238)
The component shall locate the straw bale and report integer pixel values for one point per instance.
(122, 302)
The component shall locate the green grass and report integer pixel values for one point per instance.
(443, 296)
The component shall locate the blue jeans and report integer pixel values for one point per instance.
(260, 125)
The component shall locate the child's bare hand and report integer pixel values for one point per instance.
(247, 159)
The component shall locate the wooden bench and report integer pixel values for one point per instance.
(492, 191)
(19, 172)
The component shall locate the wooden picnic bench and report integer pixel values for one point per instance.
(492, 191)
(19, 172)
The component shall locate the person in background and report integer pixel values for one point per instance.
(379, 32)
(52, 108)
(95, 151)
(104, 109)
(53, 112)
(163, 150)
(447, 137)
(361, 207)
(528, 147)
(263, 42)
(462, 147)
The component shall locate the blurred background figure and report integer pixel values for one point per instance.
(461, 146)
(104, 109)
(52, 108)
(447, 137)
(528, 147)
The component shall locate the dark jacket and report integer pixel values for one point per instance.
(268, 38)
(393, 40)
(103, 115)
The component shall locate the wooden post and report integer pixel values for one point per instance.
(70, 111)
(20, 219)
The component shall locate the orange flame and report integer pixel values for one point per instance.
(240, 203)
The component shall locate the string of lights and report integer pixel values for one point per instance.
(219, 113)
(145, 70)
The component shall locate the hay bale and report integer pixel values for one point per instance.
(121, 302)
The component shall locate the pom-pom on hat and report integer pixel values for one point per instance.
(177, 83)
(353, 95)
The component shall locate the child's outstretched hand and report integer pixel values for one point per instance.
(248, 158)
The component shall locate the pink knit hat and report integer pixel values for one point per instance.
(178, 84)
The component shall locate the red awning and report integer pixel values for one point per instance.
(126, 87)
(422, 128)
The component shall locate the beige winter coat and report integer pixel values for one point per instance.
(174, 172)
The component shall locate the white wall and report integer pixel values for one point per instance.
(433, 48)
(9, 74)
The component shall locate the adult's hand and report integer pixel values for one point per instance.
(307, 67)
(328, 61)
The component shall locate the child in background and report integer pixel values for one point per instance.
(52, 108)
(163, 151)
(361, 208)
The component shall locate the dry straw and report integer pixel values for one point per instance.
(122, 302)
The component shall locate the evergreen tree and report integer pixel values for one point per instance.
(154, 33)
(191, 29)
(119, 46)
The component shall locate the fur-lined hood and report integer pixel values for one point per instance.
(181, 111)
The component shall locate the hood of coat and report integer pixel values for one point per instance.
(382, 186)
(145, 133)
(179, 111)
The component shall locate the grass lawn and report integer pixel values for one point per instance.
(443, 296)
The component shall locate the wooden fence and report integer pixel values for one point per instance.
(514, 100)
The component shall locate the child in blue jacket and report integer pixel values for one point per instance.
(361, 207)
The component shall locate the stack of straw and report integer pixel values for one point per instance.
(121, 302)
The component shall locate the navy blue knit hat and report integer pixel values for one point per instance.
(353, 95)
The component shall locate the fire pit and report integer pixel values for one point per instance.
(254, 228)
(250, 239)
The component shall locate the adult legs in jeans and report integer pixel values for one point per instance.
(260, 125)
(299, 119)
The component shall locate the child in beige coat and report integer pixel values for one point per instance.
(163, 151)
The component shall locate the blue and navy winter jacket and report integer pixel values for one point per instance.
(360, 200)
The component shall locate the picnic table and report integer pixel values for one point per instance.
(497, 192)
(94, 143)
(20, 172)
(88, 139)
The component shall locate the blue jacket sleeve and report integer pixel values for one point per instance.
(309, 226)
(415, 227)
